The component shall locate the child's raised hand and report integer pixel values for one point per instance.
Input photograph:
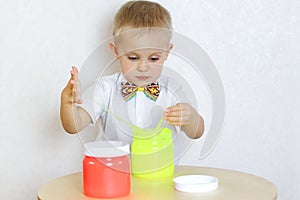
(71, 93)
(180, 114)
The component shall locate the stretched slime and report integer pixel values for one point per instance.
(152, 149)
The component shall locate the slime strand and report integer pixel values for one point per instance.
(137, 131)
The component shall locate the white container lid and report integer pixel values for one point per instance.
(106, 149)
(195, 183)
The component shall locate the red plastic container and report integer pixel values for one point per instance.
(106, 169)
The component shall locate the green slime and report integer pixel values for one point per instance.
(152, 150)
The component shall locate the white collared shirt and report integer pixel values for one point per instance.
(104, 100)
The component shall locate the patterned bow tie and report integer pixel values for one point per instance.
(129, 90)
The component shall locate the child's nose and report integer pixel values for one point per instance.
(143, 66)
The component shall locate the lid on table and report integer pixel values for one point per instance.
(195, 183)
(106, 149)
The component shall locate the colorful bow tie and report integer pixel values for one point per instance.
(129, 90)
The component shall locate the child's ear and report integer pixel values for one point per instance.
(170, 47)
(113, 48)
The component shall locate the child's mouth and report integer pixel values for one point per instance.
(142, 78)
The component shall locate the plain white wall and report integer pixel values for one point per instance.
(254, 44)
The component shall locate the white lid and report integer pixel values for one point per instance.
(195, 183)
(106, 149)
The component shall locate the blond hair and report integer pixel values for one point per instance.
(141, 14)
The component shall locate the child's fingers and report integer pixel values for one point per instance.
(76, 90)
(74, 73)
(74, 86)
(177, 107)
(174, 113)
(174, 108)
(177, 118)
(177, 121)
(74, 78)
(69, 87)
(76, 98)
(71, 92)
(178, 115)
(74, 70)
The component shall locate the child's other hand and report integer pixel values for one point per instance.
(180, 114)
(71, 93)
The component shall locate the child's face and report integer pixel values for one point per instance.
(142, 57)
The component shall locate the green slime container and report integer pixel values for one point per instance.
(152, 153)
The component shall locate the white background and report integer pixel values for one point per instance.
(253, 43)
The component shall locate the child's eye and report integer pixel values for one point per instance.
(153, 59)
(133, 58)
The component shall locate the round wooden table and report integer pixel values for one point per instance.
(233, 185)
